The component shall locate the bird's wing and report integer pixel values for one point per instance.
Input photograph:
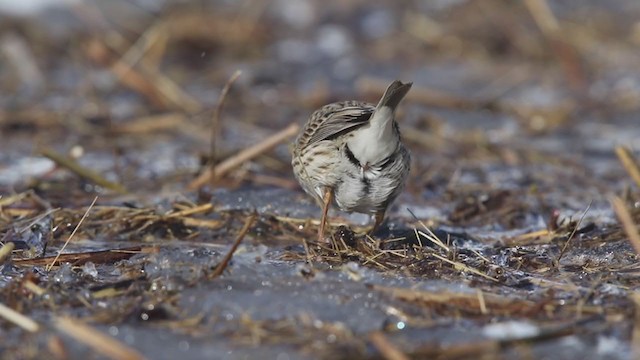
(331, 123)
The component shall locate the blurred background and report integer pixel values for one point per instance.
(129, 88)
(518, 119)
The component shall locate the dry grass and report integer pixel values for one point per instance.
(506, 254)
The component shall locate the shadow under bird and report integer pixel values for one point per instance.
(350, 154)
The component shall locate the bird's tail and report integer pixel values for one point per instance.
(394, 94)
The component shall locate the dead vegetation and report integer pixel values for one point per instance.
(129, 210)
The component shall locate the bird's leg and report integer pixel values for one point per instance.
(326, 201)
(379, 216)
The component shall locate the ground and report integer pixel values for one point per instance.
(148, 208)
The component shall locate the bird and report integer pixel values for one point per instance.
(350, 154)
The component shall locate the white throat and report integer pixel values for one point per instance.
(375, 141)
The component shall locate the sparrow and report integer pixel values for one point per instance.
(350, 154)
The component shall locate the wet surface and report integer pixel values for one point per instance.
(504, 242)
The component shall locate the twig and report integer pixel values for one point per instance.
(575, 229)
(215, 120)
(166, 87)
(203, 223)
(31, 286)
(37, 220)
(429, 235)
(433, 238)
(151, 123)
(493, 303)
(168, 122)
(18, 319)
(565, 53)
(48, 268)
(543, 16)
(156, 33)
(81, 171)
(530, 238)
(482, 304)
(96, 257)
(243, 156)
(103, 344)
(388, 350)
(194, 210)
(629, 162)
(225, 261)
(129, 77)
(7, 200)
(462, 267)
(627, 222)
(6, 250)
(307, 251)
(156, 87)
